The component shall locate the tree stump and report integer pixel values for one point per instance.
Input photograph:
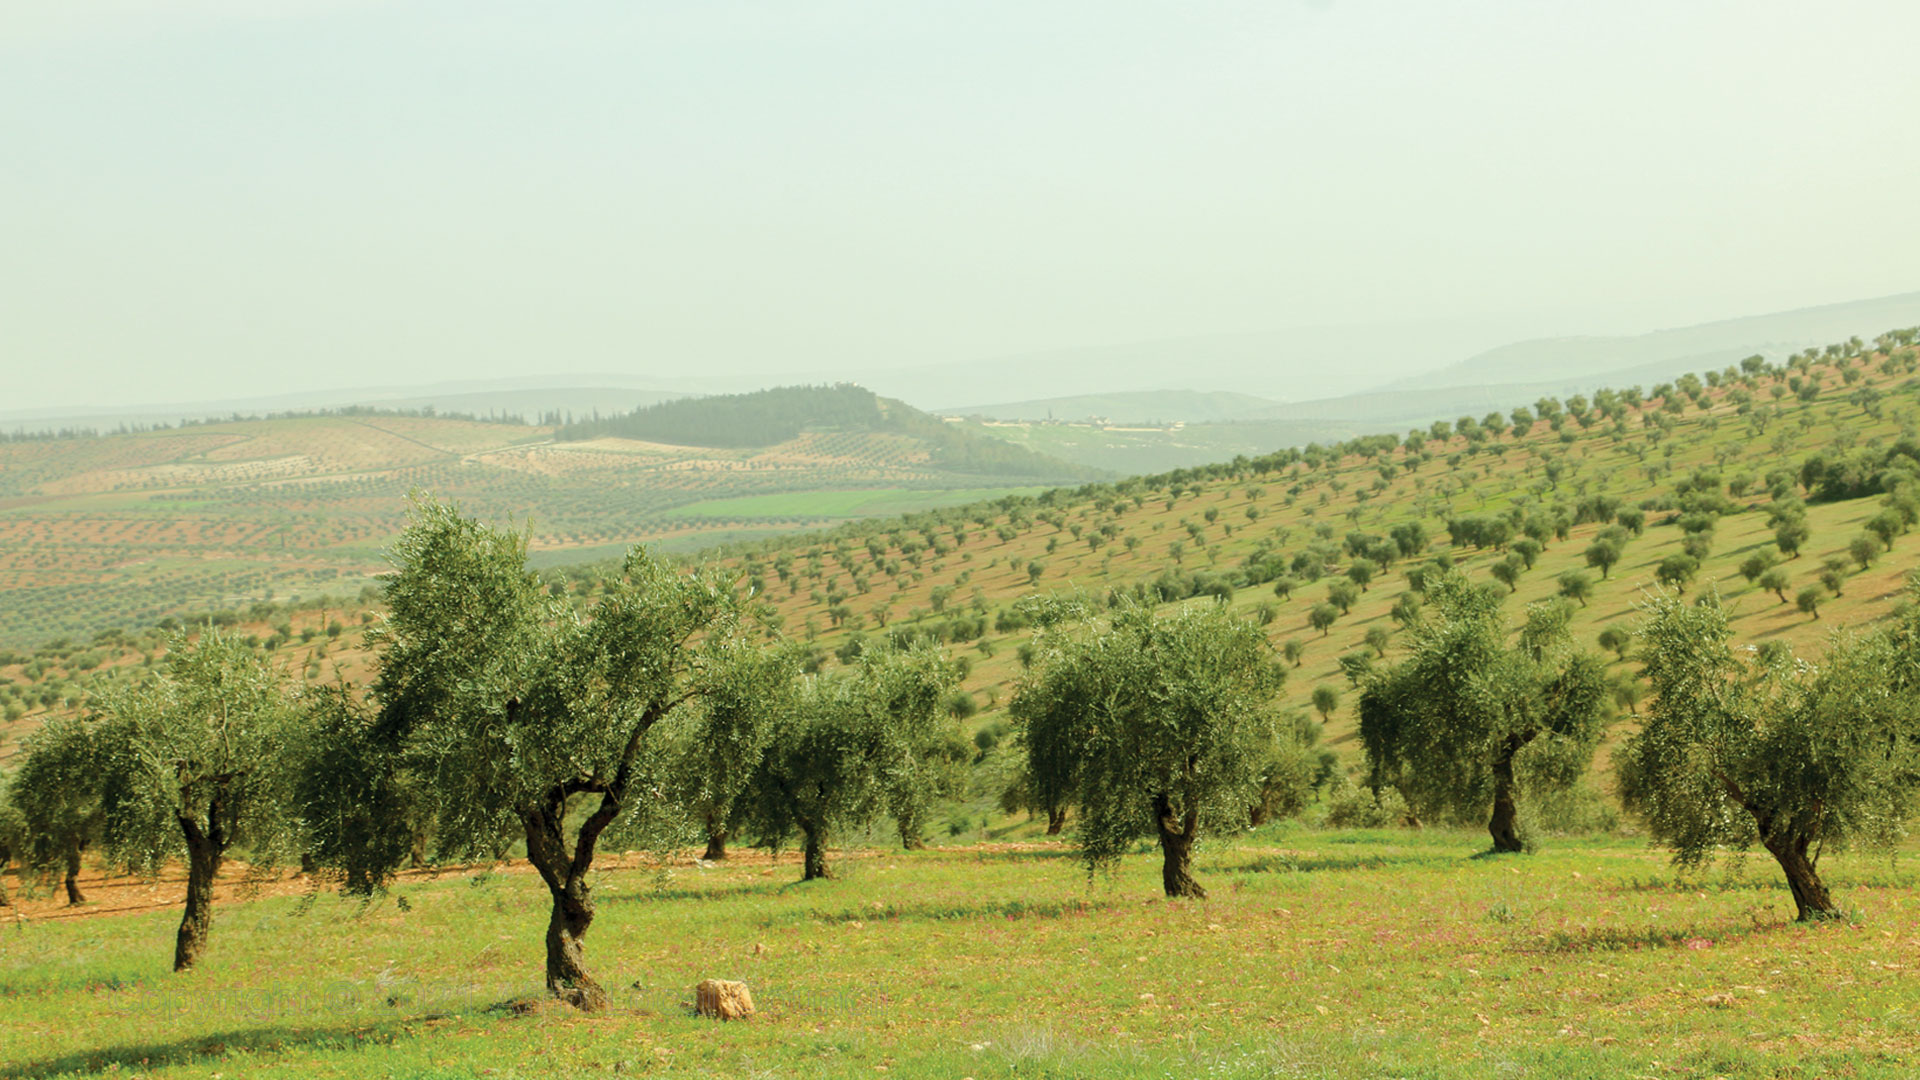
(723, 1000)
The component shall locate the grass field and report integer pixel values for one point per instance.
(1321, 954)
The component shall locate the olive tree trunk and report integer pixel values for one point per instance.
(565, 874)
(716, 844)
(816, 853)
(1177, 832)
(567, 977)
(1056, 820)
(565, 868)
(206, 848)
(1505, 822)
(74, 896)
(1810, 898)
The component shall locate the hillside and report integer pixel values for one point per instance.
(1664, 354)
(1135, 449)
(1726, 455)
(1138, 434)
(127, 529)
(767, 417)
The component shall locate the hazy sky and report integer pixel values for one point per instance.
(216, 198)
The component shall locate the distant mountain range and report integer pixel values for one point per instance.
(528, 398)
(1281, 381)
(1578, 362)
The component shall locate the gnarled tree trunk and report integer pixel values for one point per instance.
(205, 850)
(572, 915)
(1056, 820)
(567, 977)
(716, 844)
(1505, 824)
(1810, 898)
(1176, 849)
(565, 870)
(816, 854)
(74, 896)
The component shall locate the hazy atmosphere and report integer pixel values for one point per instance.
(209, 200)
(1075, 539)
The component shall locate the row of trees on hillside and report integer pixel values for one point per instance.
(500, 716)
(1739, 747)
(504, 717)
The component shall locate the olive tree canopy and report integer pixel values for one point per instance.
(194, 763)
(510, 713)
(1468, 719)
(850, 746)
(1747, 746)
(55, 800)
(1152, 724)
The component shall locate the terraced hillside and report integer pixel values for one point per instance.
(127, 529)
(1706, 484)
(1709, 483)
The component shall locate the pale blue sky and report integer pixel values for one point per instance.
(212, 198)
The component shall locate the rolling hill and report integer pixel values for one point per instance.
(1709, 465)
(98, 532)
(1575, 363)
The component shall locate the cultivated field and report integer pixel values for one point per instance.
(124, 530)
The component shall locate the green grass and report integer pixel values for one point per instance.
(819, 505)
(1320, 954)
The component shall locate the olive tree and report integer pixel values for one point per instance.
(513, 713)
(1602, 556)
(365, 813)
(56, 795)
(12, 838)
(1157, 724)
(193, 763)
(1468, 718)
(844, 747)
(719, 744)
(1747, 747)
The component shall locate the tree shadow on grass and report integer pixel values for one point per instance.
(1885, 879)
(61, 984)
(1314, 864)
(671, 893)
(936, 912)
(212, 1049)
